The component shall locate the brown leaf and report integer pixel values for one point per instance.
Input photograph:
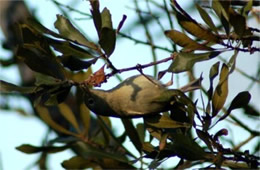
(196, 29)
(221, 91)
(184, 41)
(97, 78)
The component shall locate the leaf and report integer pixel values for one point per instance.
(251, 111)
(6, 87)
(154, 164)
(187, 148)
(45, 116)
(75, 64)
(78, 162)
(193, 85)
(106, 19)
(141, 131)
(43, 79)
(40, 61)
(232, 62)
(205, 137)
(85, 118)
(30, 149)
(36, 53)
(192, 27)
(41, 29)
(55, 95)
(164, 122)
(79, 76)
(184, 41)
(132, 133)
(182, 104)
(108, 34)
(207, 19)
(221, 91)
(207, 120)
(214, 70)
(163, 141)
(31, 22)
(67, 113)
(247, 8)
(238, 22)
(154, 132)
(68, 49)
(96, 16)
(221, 12)
(97, 78)
(98, 153)
(241, 100)
(66, 29)
(185, 61)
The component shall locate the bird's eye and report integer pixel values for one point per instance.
(91, 101)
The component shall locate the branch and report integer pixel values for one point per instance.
(139, 66)
(143, 42)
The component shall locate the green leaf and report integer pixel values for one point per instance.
(108, 34)
(56, 95)
(221, 91)
(154, 132)
(106, 19)
(164, 122)
(75, 64)
(78, 76)
(241, 100)
(85, 118)
(182, 104)
(6, 87)
(184, 41)
(43, 79)
(66, 29)
(221, 8)
(36, 53)
(99, 153)
(78, 162)
(232, 62)
(205, 137)
(207, 19)
(68, 49)
(45, 116)
(192, 27)
(32, 23)
(214, 70)
(30, 149)
(96, 16)
(251, 111)
(40, 60)
(108, 40)
(238, 22)
(185, 61)
(67, 113)
(141, 131)
(247, 8)
(187, 148)
(132, 133)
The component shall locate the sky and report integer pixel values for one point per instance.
(17, 129)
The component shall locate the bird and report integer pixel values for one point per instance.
(137, 96)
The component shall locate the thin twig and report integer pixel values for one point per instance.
(139, 66)
(236, 148)
(148, 34)
(144, 42)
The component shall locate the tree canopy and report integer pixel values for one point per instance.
(60, 63)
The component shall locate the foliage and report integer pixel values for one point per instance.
(91, 137)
